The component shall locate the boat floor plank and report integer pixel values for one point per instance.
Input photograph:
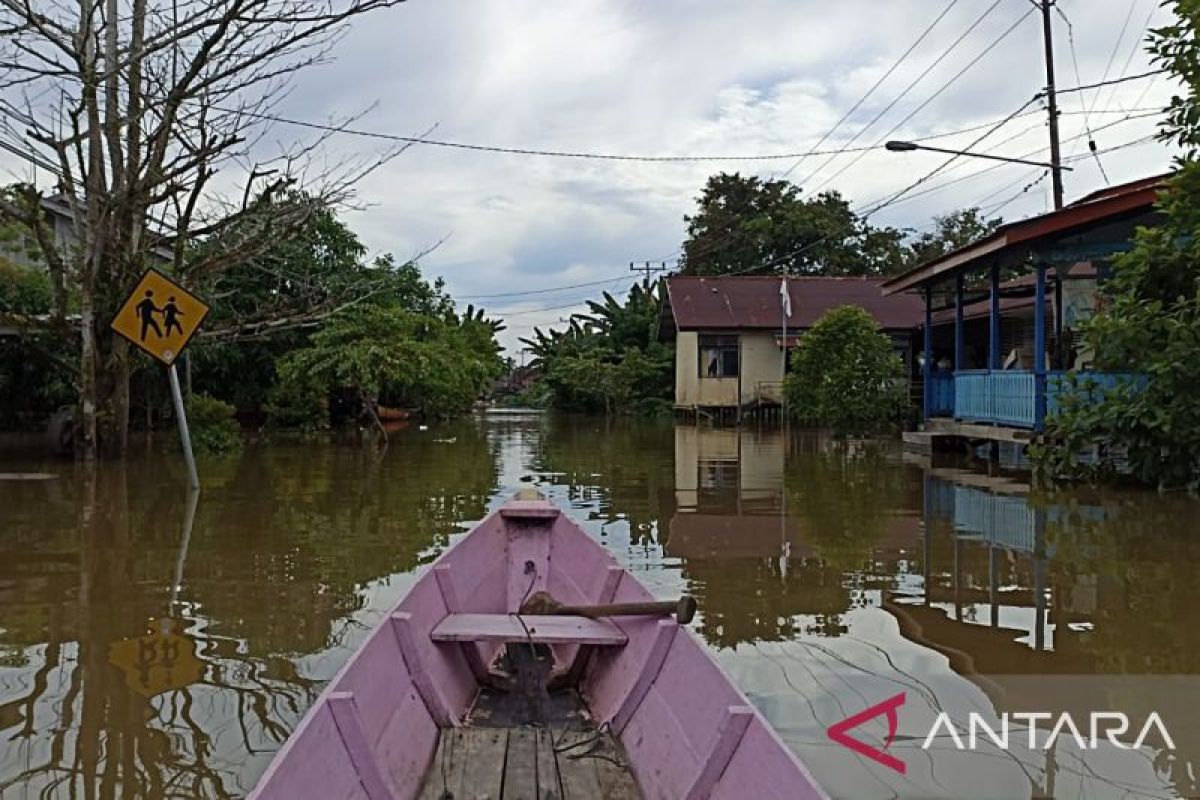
(592, 766)
(469, 765)
(520, 765)
(525, 743)
(548, 787)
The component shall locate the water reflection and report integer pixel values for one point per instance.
(830, 575)
(99, 699)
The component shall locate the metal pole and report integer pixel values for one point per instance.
(189, 517)
(184, 435)
(960, 348)
(1052, 106)
(994, 320)
(1039, 347)
(927, 349)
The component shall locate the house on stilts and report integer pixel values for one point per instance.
(1001, 314)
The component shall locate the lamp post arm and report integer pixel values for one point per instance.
(989, 157)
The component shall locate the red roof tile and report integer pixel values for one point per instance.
(741, 302)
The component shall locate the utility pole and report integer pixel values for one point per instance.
(1052, 105)
(647, 268)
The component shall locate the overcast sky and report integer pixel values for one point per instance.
(678, 77)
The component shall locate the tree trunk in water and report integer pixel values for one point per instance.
(104, 383)
(87, 442)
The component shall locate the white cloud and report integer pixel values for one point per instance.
(687, 77)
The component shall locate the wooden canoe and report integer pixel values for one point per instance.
(457, 696)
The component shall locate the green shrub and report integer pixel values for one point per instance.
(213, 426)
(845, 376)
(24, 290)
(297, 405)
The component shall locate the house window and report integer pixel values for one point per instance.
(718, 356)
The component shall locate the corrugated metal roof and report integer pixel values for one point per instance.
(753, 302)
(1018, 237)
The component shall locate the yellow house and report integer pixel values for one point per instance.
(729, 332)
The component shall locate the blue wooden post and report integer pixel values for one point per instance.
(994, 320)
(959, 346)
(1039, 347)
(927, 399)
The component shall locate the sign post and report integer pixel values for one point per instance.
(184, 435)
(157, 299)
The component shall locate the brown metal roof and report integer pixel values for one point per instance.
(1020, 237)
(753, 302)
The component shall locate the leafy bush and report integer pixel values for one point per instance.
(437, 365)
(23, 290)
(608, 360)
(845, 376)
(298, 405)
(1149, 323)
(1150, 326)
(212, 425)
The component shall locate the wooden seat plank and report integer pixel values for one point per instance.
(535, 628)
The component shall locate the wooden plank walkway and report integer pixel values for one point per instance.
(527, 763)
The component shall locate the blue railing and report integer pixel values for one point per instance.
(1002, 397)
(1007, 397)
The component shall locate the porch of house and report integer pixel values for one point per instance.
(1007, 398)
(968, 392)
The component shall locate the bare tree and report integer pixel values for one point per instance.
(152, 117)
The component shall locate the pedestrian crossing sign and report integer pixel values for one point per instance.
(160, 316)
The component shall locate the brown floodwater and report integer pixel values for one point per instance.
(153, 647)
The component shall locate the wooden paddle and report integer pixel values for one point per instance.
(684, 608)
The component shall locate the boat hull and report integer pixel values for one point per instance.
(685, 729)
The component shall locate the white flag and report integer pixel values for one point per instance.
(785, 299)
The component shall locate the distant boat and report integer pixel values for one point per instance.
(393, 414)
(465, 692)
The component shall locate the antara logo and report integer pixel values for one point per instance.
(837, 732)
(1103, 726)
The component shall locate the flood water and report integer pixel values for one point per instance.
(153, 649)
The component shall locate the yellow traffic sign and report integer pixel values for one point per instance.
(160, 316)
(162, 660)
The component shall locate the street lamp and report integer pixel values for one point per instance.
(904, 147)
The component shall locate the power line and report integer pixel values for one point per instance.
(1087, 112)
(528, 151)
(912, 85)
(1113, 55)
(931, 98)
(1114, 81)
(1133, 49)
(956, 156)
(945, 53)
(876, 85)
(1036, 151)
(540, 291)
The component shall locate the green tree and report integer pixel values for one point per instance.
(949, 233)
(746, 225)
(380, 353)
(272, 306)
(159, 110)
(845, 375)
(1150, 320)
(609, 359)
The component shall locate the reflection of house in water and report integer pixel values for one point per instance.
(990, 603)
(1054, 607)
(746, 535)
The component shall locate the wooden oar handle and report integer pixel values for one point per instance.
(684, 609)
